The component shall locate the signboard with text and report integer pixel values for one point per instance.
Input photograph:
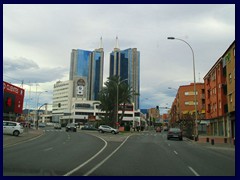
(13, 97)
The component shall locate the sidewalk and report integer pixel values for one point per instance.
(220, 146)
(9, 140)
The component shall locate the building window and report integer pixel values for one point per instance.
(230, 77)
(230, 98)
(234, 73)
(234, 52)
(186, 103)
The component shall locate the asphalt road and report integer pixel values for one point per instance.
(54, 153)
(60, 153)
(151, 154)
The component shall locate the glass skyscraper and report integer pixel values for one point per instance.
(86, 70)
(126, 64)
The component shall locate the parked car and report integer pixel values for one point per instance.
(175, 133)
(71, 127)
(89, 127)
(42, 125)
(105, 128)
(13, 128)
(57, 126)
(165, 128)
(158, 129)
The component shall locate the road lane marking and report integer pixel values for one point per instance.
(101, 163)
(48, 149)
(81, 165)
(175, 152)
(194, 172)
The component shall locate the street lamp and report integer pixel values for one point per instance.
(172, 88)
(37, 105)
(38, 97)
(195, 95)
(117, 96)
(38, 114)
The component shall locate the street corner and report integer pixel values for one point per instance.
(31, 134)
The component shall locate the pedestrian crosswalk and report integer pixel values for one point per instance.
(53, 130)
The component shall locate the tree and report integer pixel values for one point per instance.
(108, 97)
(125, 94)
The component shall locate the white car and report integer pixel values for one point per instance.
(105, 128)
(57, 126)
(13, 128)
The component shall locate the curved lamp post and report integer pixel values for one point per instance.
(40, 107)
(172, 88)
(195, 95)
(38, 113)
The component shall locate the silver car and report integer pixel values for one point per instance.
(108, 129)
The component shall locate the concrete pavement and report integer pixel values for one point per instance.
(28, 134)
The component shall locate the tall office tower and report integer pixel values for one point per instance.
(126, 64)
(86, 71)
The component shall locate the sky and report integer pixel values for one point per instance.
(38, 40)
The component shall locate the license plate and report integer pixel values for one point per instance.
(175, 135)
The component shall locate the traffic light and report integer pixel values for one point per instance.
(157, 107)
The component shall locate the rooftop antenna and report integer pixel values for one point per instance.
(117, 45)
(101, 43)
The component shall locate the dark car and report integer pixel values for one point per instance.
(175, 133)
(89, 127)
(71, 127)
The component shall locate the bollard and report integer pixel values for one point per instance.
(207, 140)
(225, 140)
(212, 141)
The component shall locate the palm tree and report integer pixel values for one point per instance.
(110, 100)
(125, 94)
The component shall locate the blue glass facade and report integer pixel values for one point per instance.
(127, 62)
(97, 74)
(83, 59)
(88, 65)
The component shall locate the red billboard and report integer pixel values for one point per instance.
(13, 98)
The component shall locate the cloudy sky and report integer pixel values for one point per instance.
(38, 39)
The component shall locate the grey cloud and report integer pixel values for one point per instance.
(29, 71)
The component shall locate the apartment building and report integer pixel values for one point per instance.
(220, 96)
(229, 61)
(184, 102)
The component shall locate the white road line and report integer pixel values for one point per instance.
(194, 172)
(80, 166)
(175, 152)
(48, 149)
(101, 163)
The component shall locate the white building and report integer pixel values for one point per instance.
(62, 95)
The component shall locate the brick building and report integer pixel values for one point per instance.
(220, 96)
